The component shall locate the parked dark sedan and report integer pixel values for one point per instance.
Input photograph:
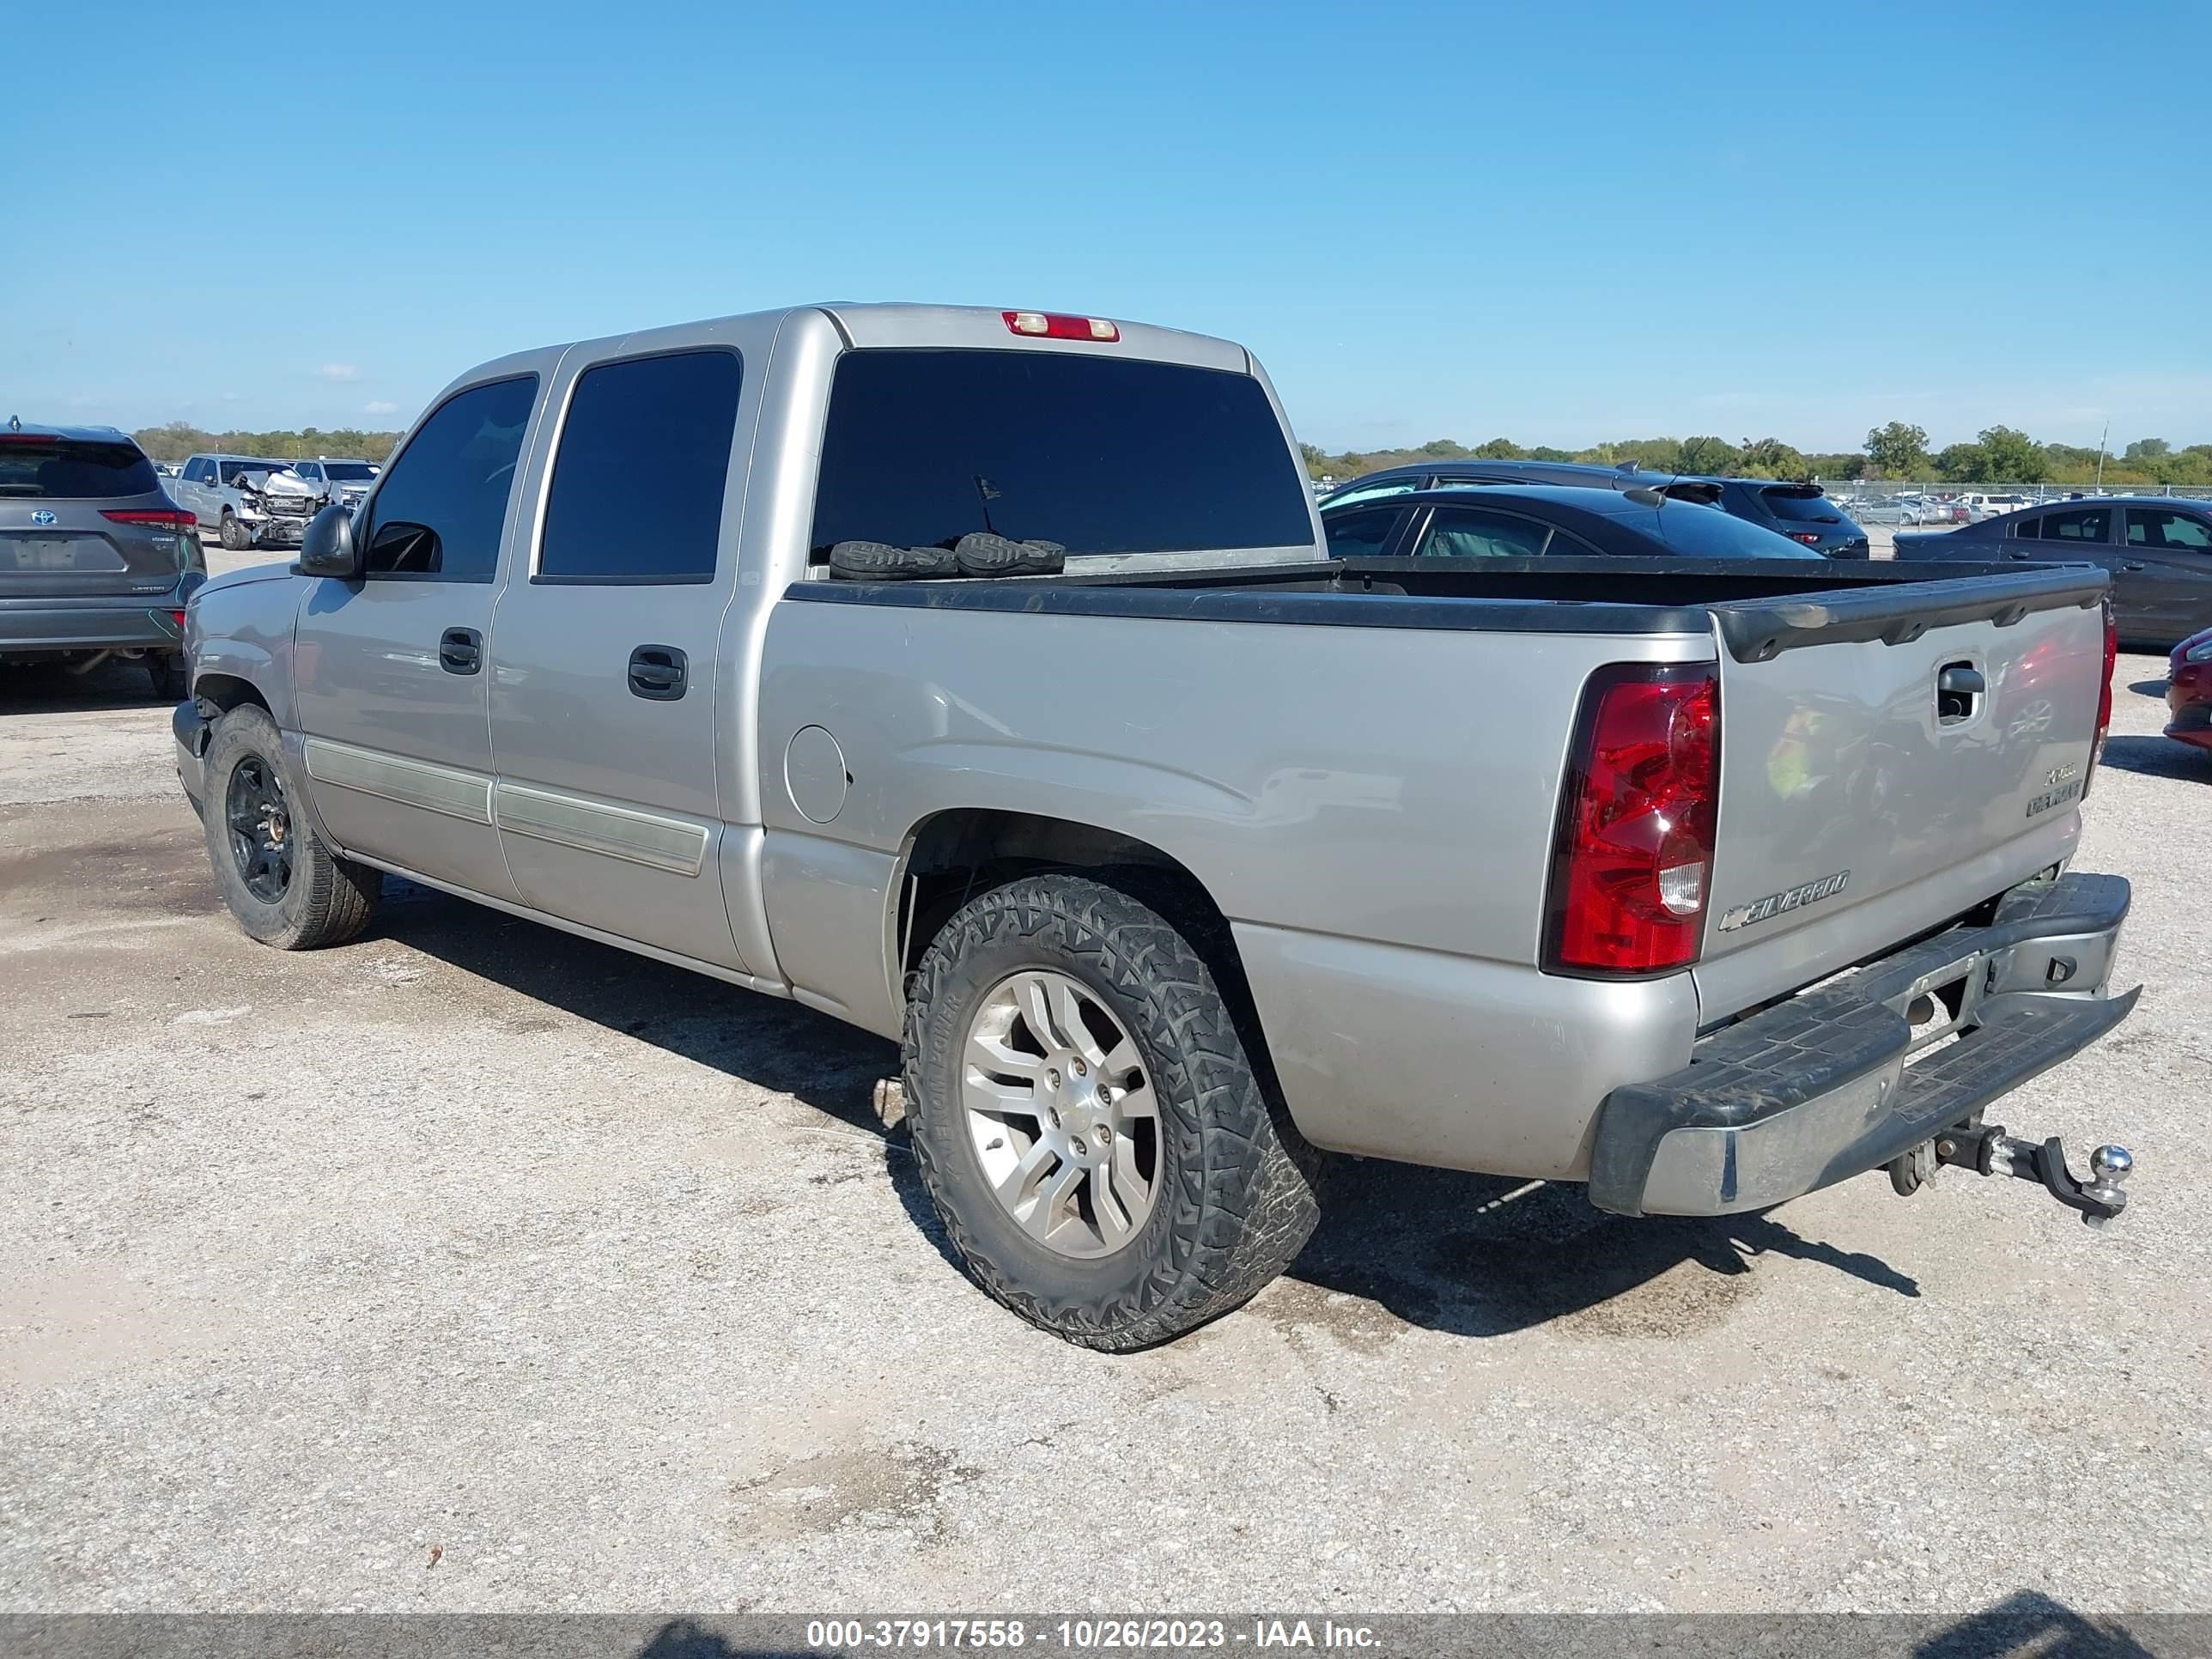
(1801, 512)
(2159, 549)
(1544, 522)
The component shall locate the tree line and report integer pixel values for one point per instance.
(1897, 452)
(180, 439)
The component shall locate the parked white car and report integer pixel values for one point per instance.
(1980, 507)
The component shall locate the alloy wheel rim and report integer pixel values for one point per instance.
(1060, 1113)
(260, 822)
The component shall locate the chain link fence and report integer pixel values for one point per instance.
(1950, 502)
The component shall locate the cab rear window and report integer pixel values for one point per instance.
(1706, 532)
(1100, 454)
(1800, 507)
(60, 468)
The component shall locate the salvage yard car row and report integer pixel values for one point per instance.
(249, 501)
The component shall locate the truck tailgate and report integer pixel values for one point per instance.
(1889, 759)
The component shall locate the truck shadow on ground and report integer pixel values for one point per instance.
(1477, 1256)
(1472, 1255)
(44, 689)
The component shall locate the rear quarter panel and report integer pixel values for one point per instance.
(1370, 808)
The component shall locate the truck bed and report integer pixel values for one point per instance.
(1759, 610)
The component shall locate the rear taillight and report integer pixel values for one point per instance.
(167, 518)
(1053, 325)
(1632, 864)
(1810, 538)
(2104, 695)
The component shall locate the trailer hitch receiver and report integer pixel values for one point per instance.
(1986, 1149)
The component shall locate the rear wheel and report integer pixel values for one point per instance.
(1088, 1122)
(284, 886)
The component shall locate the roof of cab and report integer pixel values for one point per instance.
(900, 324)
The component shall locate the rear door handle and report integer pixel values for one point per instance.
(460, 650)
(658, 672)
(2125, 565)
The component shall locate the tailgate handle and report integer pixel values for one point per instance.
(1959, 690)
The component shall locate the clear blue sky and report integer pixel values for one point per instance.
(1559, 223)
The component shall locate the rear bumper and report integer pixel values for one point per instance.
(138, 622)
(1816, 1089)
(2189, 702)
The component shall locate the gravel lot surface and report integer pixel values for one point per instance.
(595, 1284)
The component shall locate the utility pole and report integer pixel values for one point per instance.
(2101, 437)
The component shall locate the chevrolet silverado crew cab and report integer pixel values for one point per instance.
(980, 678)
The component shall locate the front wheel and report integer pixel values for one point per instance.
(282, 884)
(1087, 1121)
(235, 534)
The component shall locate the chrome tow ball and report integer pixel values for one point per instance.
(1986, 1149)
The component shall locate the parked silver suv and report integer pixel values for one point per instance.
(95, 560)
(343, 482)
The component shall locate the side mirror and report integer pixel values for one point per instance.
(328, 549)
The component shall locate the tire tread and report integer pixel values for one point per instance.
(1246, 1202)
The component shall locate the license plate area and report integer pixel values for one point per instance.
(57, 553)
(1937, 1005)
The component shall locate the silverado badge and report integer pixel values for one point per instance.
(1775, 903)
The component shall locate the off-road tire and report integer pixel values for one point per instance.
(981, 555)
(232, 533)
(167, 671)
(879, 561)
(1237, 1195)
(331, 900)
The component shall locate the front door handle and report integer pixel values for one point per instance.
(657, 672)
(460, 650)
(2125, 565)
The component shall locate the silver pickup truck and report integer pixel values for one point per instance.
(979, 677)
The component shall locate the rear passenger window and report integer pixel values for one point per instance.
(1358, 535)
(2025, 530)
(444, 501)
(2147, 527)
(637, 484)
(1459, 533)
(2082, 524)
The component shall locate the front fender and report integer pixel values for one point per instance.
(241, 630)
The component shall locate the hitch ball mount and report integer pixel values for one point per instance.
(1986, 1149)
